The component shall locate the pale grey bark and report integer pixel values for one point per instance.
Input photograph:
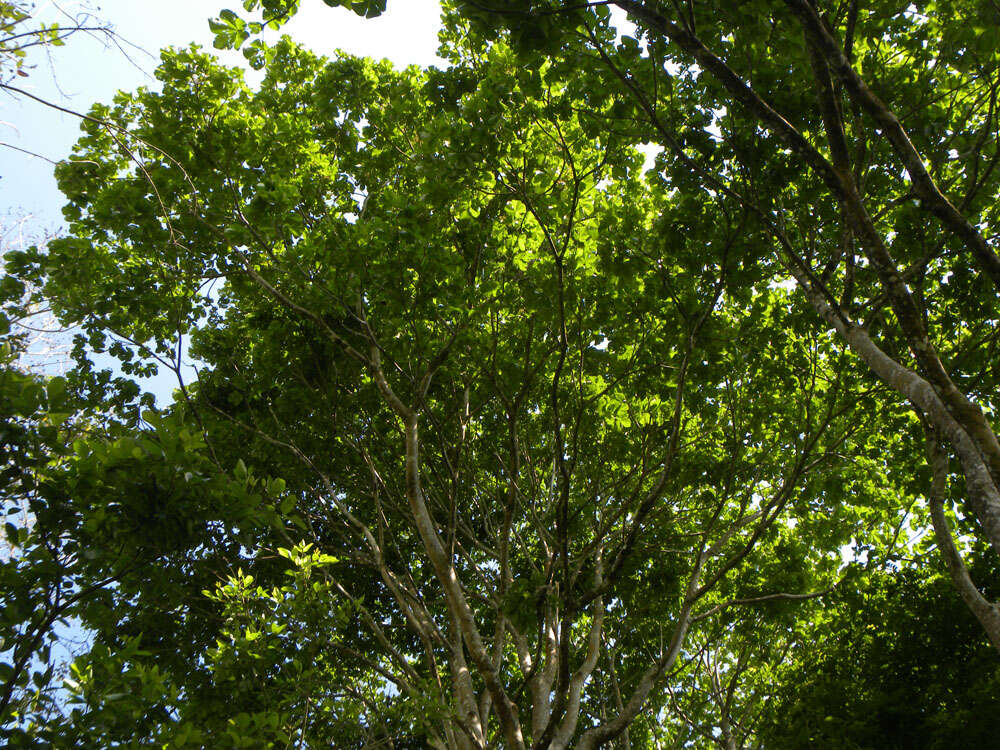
(987, 612)
(597, 736)
(567, 726)
(983, 494)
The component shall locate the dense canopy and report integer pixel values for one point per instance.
(593, 390)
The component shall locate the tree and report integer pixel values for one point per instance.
(839, 130)
(551, 429)
(61, 554)
(530, 435)
(862, 679)
(93, 506)
(889, 110)
(31, 572)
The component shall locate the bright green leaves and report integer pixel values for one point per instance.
(231, 30)
(160, 192)
(101, 535)
(593, 349)
(158, 492)
(262, 649)
(28, 397)
(42, 575)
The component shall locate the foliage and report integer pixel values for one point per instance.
(861, 139)
(31, 575)
(571, 446)
(900, 664)
(585, 442)
(99, 516)
(232, 30)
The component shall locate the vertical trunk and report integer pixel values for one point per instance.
(458, 608)
(985, 611)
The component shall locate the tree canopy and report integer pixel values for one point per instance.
(591, 390)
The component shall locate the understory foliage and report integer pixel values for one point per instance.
(594, 390)
(862, 677)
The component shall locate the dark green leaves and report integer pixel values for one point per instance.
(366, 8)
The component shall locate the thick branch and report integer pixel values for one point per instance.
(738, 89)
(983, 492)
(921, 180)
(841, 183)
(457, 603)
(985, 611)
(568, 725)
